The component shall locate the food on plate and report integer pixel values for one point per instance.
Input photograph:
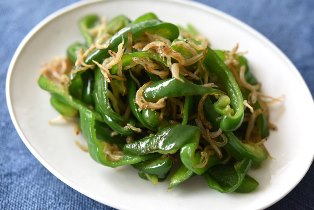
(156, 96)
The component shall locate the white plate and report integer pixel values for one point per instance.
(291, 147)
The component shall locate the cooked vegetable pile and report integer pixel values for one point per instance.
(155, 96)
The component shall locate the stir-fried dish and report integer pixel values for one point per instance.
(156, 96)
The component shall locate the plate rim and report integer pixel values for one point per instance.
(197, 5)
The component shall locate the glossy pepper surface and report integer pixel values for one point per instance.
(137, 30)
(216, 66)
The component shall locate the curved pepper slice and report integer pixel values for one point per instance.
(63, 96)
(227, 178)
(188, 102)
(151, 117)
(159, 167)
(86, 23)
(72, 51)
(62, 108)
(181, 175)
(101, 99)
(88, 87)
(127, 59)
(217, 67)
(191, 158)
(103, 132)
(102, 105)
(261, 120)
(248, 185)
(145, 17)
(235, 147)
(240, 150)
(76, 87)
(175, 88)
(97, 148)
(117, 23)
(133, 106)
(166, 141)
(166, 30)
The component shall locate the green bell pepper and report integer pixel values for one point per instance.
(218, 68)
(166, 30)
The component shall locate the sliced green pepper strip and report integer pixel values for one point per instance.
(248, 185)
(76, 87)
(86, 23)
(88, 87)
(72, 51)
(166, 30)
(226, 178)
(145, 17)
(103, 132)
(97, 148)
(127, 59)
(62, 108)
(261, 120)
(166, 141)
(133, 106)
(181, 175)
(102, 105)
(240, 150)
(159, 167)
(222, 106)
(176, 88)
(117, 23)
(237, 149)
(188, 102)
(183, 50)
(62, 95)
(151, 118)
(190, 158)
(101, 99)
(186, 53)
(217, 67)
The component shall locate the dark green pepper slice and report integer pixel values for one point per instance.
(227, 178)
(86, 23)
(103, 133)
(133, 106)
(235, 147)
(62, 108)
(217, 67)
(166, 30)
(145, 17)
(127, 59)
(117, 23)
(102, 105)
(166, 141)
(240, 150)
(88, 87)
(175, 88)
(261, 120)
(181, 175)
(191, 158)
(248, 185)
(97, 148)
(188, 102)
(76, 87)
(159, 167)
(63, 96)
(72, 51)
(151, 117)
